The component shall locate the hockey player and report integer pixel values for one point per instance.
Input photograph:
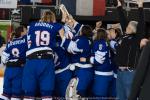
(72, 27)
(102, 66)
(113, 35)
(62, 71)
(14, 57)
(40, 66)
(62, 61)
(83, 72)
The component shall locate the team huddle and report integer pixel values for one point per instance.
(40, 62)
(55, 61)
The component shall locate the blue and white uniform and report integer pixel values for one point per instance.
(71, 32)
(62, 72)
(40, 65)
(62, 62)
(80, 47)
(16, 51)
(114, 66)
(102, 67)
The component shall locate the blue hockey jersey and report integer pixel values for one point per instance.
(61, 58)
(83, 43)
(101, 56)
(42, 36)
(71, 32)
(17, 49)
(78, 47)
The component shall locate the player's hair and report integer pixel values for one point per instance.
(101, 34)
(48, 16)
(134, 25)
(12, 36)
(117, 31)
(87, 31)
(17, 32)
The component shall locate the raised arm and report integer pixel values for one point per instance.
(98, 26)
(122, 17)
(141, 22)
(66, 17)
(69, 21)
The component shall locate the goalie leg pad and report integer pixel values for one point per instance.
(71, 92)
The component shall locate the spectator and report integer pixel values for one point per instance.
(140, 86)
(128, 50)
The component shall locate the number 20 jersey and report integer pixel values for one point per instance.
(42, 36)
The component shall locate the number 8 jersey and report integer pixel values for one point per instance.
(17, 49)
(42, 36)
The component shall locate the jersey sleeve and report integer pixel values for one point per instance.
(31, 28)
(68, 32)
(77, 27)
(5, 55)
(77, 45)
(71, 46)
(113, 44)
(7, 48)
(26, 42)
(58, 27)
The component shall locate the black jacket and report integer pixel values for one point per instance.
(141, 82)
(128, 45)
(128, 50)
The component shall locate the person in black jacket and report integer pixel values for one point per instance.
(140, 86)
(128, 49)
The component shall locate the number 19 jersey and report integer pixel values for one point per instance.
(42, 36)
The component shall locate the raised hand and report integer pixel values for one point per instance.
(65, 13)
(63, 9)
(140, 3)
(119, 3)
(98, 25)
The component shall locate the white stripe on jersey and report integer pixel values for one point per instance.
(4, 97)
(15, 98)
(104, 73)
